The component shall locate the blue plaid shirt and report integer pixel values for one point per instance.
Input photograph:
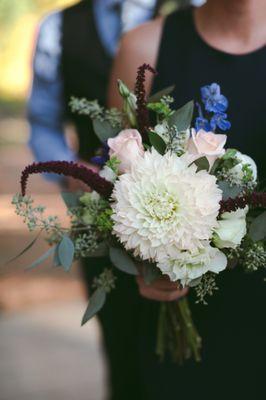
(46, 103)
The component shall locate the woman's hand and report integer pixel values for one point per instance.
(161, 290)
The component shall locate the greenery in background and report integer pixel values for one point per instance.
(18, 21)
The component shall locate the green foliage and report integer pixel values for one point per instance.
(247, 174)
(106, 280)
(91, 206)
(202, 163)
(182, 117)
(164, 92)
(104, 130)
(113, 163)
(71, 199)
(150, 272)
(122, 261)
(32, 216)
(250, 255)
(66, 252)
(42, 258)
(229, 190)
(129, 103)
(206, 287)
(28, 247)
(255, 257)
(86, 244)
(106, 123)
(97, 300)
(162, 108)
(104, 222)
(157, 142)
(257, 229)
(85, 107)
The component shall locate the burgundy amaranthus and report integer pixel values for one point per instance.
(254, 200)
(140, 92)
(71, 169)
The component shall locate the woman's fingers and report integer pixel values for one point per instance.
(162, 283)
(160, 291)
(165, 284)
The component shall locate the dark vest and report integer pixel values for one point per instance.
(85, 69)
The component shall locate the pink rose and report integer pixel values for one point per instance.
(127, 147)
(207, 144)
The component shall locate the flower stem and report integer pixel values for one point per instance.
(177, 333)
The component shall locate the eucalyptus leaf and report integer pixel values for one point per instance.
(28, 247)
(66, 251)
(150, 272)
(257, 230)
(104, 130)
(182, 117)
(157, 142)
(164, 92)
(56, 260)
(228, 190)
(71, 199)
(122, 261)
(97, 300)
(202, 163)
(41, 259)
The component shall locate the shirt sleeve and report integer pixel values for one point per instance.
(46, 101)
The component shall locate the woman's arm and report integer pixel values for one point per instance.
(137, 47)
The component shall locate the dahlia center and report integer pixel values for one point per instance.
(161, 206)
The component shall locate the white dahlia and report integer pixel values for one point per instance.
(163, 206)
(188, 266)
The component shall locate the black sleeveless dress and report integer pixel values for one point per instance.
(233, 325)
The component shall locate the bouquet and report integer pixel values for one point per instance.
(169, 199)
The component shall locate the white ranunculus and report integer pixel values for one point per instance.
(164, 207)
(188, 266)
(231, 230)
(108, 174)
(237, 170)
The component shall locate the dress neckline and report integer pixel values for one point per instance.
(214, 49)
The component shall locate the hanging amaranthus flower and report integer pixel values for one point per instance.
(254, 200)
(140, 92)
(70, 169)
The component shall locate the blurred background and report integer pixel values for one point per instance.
(42, 344)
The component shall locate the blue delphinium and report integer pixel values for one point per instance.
(220, 120)
(102, 156)
(215, 105)
(201, 122)
(212, 98)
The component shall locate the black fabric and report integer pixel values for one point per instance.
(188, 62)
(85, 69)
(233, 325)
